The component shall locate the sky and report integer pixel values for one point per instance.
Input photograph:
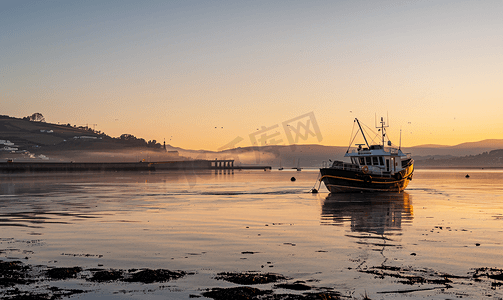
(218, 74)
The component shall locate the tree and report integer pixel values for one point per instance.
(131, 140)
(127, 137)
(36, 117)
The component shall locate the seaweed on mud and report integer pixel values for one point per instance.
(296, 286)
(53, 294)
(250, 293)
(409, 275)
(107, 275)
(319, 296)
(14, 272)
(305, 296)
(492, 273)
(150, 276)
(250, 277)
(235, 293)
(63, 273)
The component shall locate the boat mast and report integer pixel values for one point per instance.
(382, 132)
(358, 122)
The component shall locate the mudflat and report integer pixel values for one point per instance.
(248, 235)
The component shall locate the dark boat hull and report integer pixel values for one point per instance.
(344, 181)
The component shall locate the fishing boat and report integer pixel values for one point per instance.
(380, 167)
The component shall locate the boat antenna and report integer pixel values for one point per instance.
(356, 119)
(400, 144)
(382, 132)
(382, 129)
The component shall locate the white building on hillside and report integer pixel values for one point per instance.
(6, 145)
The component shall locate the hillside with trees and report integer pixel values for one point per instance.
(489, 159)
(31, 137)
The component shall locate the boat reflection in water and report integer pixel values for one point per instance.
(378, 213)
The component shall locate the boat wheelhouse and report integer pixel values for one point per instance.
(373, 168)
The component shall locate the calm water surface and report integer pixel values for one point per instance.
(256, 221)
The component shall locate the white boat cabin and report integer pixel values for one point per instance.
(378, 160)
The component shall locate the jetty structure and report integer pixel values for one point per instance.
(11, 166)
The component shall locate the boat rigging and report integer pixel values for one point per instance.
(373, 168)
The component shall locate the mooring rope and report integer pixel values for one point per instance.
(314, 190)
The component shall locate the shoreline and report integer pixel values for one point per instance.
(455, 168)
(19, 167)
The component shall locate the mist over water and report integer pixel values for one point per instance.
(210, 222)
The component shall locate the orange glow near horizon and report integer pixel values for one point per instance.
(200, 76)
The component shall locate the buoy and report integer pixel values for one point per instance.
(314, 191)
(467, 176)
(293, 179)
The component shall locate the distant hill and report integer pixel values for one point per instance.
(470, 148)
(315, 155)
(35, 139)
(65, 142)
(26, 133)
(286, 156)
(491, 159)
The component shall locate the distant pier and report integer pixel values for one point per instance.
(222, 164)
(14, 166)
